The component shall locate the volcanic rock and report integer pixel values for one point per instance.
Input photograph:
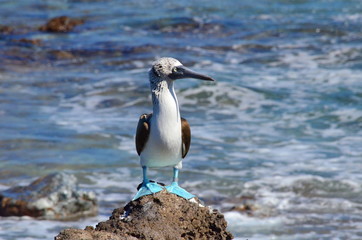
(160, 216)
(54, 197)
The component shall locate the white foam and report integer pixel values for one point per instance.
(28, 228)
(351, 17)
(299, 60)
(248, 226)
(111, 179)
(348, 114)
(219, 96)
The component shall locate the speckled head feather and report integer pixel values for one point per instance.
(168, 69)
(163, 68)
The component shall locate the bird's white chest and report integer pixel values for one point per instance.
(164, 145)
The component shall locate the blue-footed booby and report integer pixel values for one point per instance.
(163, 137)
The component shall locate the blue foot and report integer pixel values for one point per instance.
(176, 189)
(148, 188)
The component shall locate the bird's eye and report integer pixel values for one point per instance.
(175, 70)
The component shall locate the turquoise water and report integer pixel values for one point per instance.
(281, 124)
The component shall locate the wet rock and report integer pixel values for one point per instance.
(60, 55)
(6, 29)
(248, 205)
(245, 205)
(76, 234)
(242, 48)
(61, 24)
(160, 216)
(109, 103)
(27, 41)
(187, 25)
(54, 197)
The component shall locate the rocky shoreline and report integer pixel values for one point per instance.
(53, 197)
(159, 216)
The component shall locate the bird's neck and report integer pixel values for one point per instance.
(165, 104)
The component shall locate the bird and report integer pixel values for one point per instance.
(163, 137)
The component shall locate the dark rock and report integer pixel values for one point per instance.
(245, 205)
(187, 25)
(54, 196)
(160, 216)
(6, 29)
(108, 103)
(61, 24)
(77, 234)
(37, 42)
(243, 48)
(60, 55)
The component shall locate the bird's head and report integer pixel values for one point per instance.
(170, 69)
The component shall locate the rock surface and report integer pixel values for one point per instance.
(161, 216)
(54, 197)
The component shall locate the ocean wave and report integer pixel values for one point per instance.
(296, 202)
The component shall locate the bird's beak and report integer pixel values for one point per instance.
(184, 72)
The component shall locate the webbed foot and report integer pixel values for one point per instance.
(176, 189)
(148, 188)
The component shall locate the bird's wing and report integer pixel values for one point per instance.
(143, 132)
(186, 137)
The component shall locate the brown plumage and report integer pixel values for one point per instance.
(143, 132)
(186, 136)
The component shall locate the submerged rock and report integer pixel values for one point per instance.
(27, 41)
(187, 25)
(159, 216)
(61, 24)
(6, 29)
(54, 197)
(244, 205)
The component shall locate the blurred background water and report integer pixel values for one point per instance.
(282, 124)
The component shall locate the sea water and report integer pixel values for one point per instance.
(282, 123)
